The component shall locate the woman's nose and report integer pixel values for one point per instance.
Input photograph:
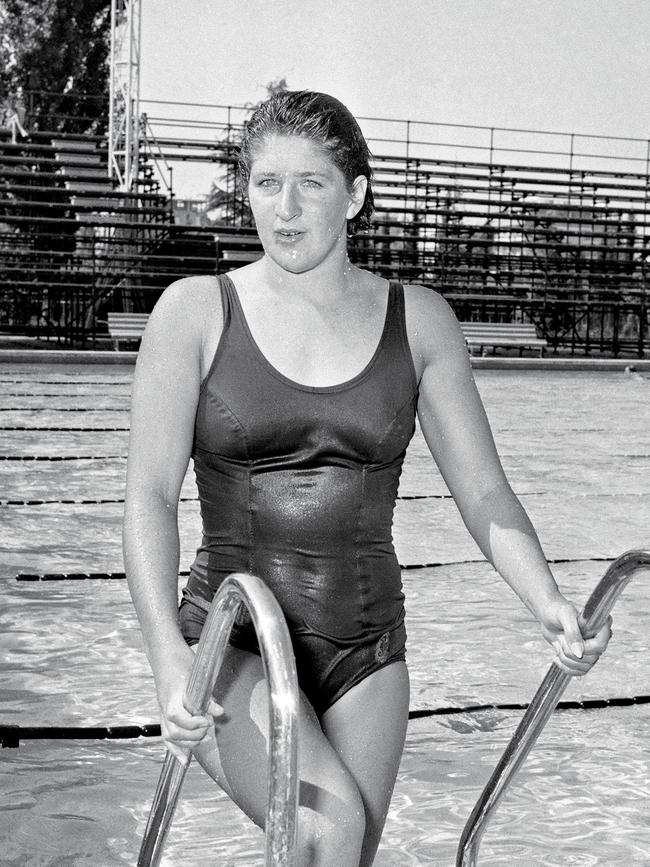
(287, 204)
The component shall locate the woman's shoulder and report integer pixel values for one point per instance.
(187, 293)
(431, 323)
(425, 305)
(186, 321)
(187, 305)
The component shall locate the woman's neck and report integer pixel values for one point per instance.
(328, 282)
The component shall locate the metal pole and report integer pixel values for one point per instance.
(128, 128)
(540, 709)
(643, 314)
(111, 107)
(137, 10)
(279, 666)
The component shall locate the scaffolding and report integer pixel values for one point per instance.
(124, 113)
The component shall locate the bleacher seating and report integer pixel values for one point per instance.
(501, 240)
(236, 248)
(70, 242)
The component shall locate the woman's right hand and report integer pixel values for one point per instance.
(183, 731)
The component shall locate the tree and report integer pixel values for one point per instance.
(54, 65)
(56, 54)
(227, 202)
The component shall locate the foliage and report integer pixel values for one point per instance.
(54, 76)
(227, 201)
(55, 53)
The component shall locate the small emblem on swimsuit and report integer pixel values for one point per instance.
(383, 646)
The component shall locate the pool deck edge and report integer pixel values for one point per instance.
(492, 362)
(66, 356)
(487, 362)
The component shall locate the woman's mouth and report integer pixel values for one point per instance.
(289, 234)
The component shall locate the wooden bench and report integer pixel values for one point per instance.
(518, 335)
(126, 326)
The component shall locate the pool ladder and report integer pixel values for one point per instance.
(547, 696)
(236, 591)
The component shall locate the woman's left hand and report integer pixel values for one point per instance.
(563, 627)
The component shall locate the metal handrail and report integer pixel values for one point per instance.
(236, 591)
(540, 709)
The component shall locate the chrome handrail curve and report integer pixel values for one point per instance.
(236, 591)
(541, 707)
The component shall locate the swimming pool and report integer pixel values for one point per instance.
(575, 446)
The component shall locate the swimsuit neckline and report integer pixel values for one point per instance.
(314, 389)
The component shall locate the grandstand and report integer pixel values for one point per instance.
(522, 235)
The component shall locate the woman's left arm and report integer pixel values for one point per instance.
(455, 426)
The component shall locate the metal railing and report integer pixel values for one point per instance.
(406, 137)
(559, 222)
(277, 656)
(152, 153)
(540, 709)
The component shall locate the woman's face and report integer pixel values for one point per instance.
(301, 202)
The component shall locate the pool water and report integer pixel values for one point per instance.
(575, 446)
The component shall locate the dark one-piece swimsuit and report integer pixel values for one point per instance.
(297, 485)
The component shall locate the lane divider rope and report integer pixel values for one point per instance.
(47, 394)
(79, 576)
(66, 502)
(181, 500)
(115, 381)
(62, 502)
(11, 735)
(63, 409)
(113, 576)
(56, 458)
(555, 560)
(90, 502)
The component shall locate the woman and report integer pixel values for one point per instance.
(294, 383)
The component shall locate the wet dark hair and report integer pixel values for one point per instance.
(322, 119)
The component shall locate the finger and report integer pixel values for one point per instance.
(186, 719)
(591, 633)
(565, 655)
(566, 651)
(186, 745)
(176, 745)
(180, 734)
(598, 644)
(214, 709)
(573, 641)
(606, 628)
(576, 667)
(571, 667)
(181, 750)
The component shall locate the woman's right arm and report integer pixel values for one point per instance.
(163, 408)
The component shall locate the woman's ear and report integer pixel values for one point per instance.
(357, 196)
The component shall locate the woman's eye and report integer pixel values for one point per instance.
(267, 182)
(310, 184)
